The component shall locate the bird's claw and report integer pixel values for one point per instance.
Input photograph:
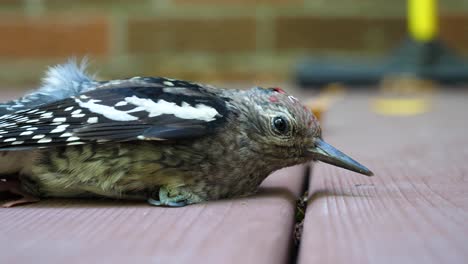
(166, 200)
(170, 204)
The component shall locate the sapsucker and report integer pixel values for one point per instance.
(167, 141)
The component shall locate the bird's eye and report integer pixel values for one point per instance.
(280, 124)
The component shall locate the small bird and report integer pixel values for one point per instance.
(169, 142)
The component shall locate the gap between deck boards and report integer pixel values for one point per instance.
(301, 205)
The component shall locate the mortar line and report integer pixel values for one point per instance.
(33, 8)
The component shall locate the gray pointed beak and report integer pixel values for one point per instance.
(324, 152)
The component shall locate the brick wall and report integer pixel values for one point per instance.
(205, 40)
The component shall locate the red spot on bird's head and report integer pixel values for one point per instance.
(313, 121)
(278, 90)
(273, 99)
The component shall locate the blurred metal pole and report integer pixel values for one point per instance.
(421, 55)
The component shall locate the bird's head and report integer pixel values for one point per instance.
(286, 132)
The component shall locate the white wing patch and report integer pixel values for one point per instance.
(107, 111)
(44, 140)
(26, 133)
(122, 103)
(92, 120)
(161, 107)
(59, 128)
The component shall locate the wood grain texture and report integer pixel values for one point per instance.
(257, 229)
(415, 210)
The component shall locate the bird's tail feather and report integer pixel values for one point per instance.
(61, 81)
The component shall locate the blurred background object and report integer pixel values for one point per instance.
(404, 96)
(421, 55)
(204, 40)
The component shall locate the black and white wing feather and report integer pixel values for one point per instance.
(122, 110)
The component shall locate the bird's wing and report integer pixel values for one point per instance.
(123, 110)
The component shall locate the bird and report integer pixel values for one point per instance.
(165, 141)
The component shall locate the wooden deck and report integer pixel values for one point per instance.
(256, 229)
(415, 210)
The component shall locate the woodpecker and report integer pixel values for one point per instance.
(169, 142)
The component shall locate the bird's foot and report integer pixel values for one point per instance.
(14, 187)
(166, 200)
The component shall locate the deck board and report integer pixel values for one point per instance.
(415, 210)
(256, 229)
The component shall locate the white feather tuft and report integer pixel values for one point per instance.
(66, 80)
(60, 82)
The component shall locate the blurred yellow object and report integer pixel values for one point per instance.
(422, 19)
(329, 95)
(318, 107)
(404, 96)
(401, 106)
(407, 86)
(333, 90)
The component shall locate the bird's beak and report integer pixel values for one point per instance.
(322, 151)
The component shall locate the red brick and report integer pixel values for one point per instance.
(93, 3)
(53, 37)
(197, 34)
(339, 33)
(239, 2)
(10, 3)
(454, 32)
